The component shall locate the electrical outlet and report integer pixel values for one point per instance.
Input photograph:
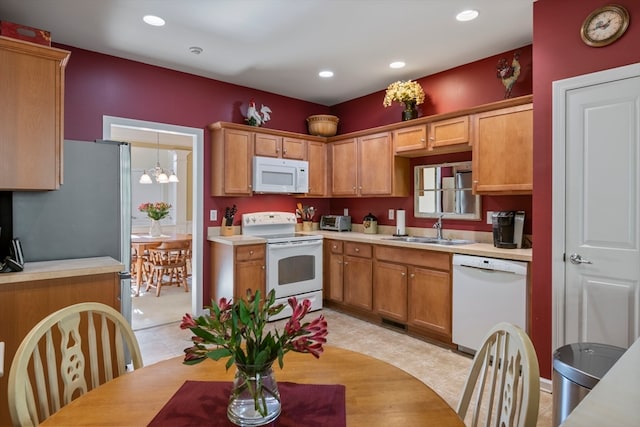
(489, 215)
(391, 214)
(213, 215)
(346, 212)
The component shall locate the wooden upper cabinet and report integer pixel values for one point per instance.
(293, 148)
(231, 162)
(410, 139)
(437, 137)
(375, 165)
(502, 143)
(267, 145)
(447, 133)
(277, 146)
(376, 171)
(31, 115)
(317, 157)
(344, 173)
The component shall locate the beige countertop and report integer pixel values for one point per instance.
(614, 401)
(43, 270)
(478, 249)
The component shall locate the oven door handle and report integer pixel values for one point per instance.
(288, 245)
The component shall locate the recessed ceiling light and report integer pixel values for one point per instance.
(326, 74)
(467, 15)
(397, 64)
(156, 21)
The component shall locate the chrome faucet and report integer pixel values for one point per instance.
(438, 226)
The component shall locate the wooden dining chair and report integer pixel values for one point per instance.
(67, 354)
(168, 260)
(504, 381)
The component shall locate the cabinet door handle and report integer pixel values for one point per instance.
(250, 253)
(345, 263)
(335, 247)
(403, 274)
(412, 275)
(284, 151)
(357, 249)
(264, 267)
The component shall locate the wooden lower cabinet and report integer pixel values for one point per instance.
(358, 289)
(413, 287)
(430, 302)
(348, 276)
(236, 269)
(358, 275)
(409, 288)
(390, 291)
(333, 286)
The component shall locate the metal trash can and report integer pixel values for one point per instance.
(577, 368)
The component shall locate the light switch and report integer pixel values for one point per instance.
(391, 214)
(213, 215)
(346, 212)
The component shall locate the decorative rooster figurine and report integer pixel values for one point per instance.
(255, 118)
(508, 73)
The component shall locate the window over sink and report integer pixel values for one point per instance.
(445, 189)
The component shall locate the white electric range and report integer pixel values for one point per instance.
(294, 260)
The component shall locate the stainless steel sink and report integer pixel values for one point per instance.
(431, 240)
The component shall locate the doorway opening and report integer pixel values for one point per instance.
(122, 129)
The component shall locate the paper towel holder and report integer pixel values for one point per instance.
(400, 229)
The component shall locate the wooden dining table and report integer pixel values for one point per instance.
(141, 242)
(376, 393)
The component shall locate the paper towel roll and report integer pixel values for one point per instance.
(400, 229)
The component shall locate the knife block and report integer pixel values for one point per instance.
(226, 230)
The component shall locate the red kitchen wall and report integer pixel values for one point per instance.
(458, 88)
(559, 53)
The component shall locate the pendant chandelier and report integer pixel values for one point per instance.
(162, 176)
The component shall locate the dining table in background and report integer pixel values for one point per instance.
(142, 242)
(376, 392)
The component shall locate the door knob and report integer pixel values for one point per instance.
(577, 259)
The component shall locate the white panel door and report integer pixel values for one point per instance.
(602, 221)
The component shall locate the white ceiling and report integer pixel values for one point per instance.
(279, 46)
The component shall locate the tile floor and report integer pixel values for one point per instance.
(441, 369)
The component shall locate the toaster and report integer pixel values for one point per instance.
(335, 223)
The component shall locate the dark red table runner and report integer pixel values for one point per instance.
(200, 403)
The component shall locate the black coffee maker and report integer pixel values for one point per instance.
(507, 229)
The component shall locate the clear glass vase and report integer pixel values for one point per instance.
(155, 230)
(254, 399)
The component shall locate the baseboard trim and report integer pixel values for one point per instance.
(546, 385)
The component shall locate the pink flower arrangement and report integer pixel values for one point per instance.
(157, 210)
(237, 331)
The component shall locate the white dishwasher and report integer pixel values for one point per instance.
(486, 291)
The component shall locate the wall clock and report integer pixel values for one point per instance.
(605, 25)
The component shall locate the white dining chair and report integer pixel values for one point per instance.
(55, 365)
(504, 381)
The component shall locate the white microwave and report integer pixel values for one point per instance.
(272, 175)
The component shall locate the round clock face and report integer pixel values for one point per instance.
(604, 26)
